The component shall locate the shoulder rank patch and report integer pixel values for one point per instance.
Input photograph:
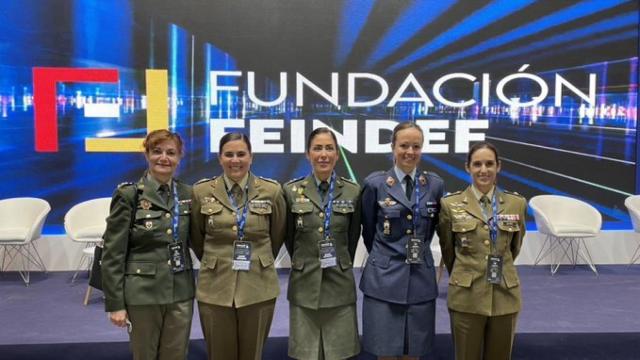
(269, 180)
(295, 180)
(452, 193)
(512, 193)
(203, 180)
(349, 180)
(126, 183)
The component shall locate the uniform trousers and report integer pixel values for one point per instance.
(477, 337)
(160, 331)
(236, 333)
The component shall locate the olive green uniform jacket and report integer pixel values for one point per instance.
(214, 230)
(135, 259)
(465, 243)
(310, 286)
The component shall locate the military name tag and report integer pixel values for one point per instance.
(176, 257)
(327, 251)
(241, 255)
(415, 251)
(494, 269)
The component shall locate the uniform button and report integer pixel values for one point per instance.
(169, 231)
(234, 228)
(321, 215)
(210, 211)
(455, 282)
(486, 257)
(486, 242)
(138, 271)
(300, 211)
(510, 229)
(169, 262)
(233, 213)
(463, 229)
(320, 229)
(409, 217)
(485, 227)
(148, 215)
(167, 215)
(409, 231)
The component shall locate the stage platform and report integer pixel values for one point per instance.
(572, 315)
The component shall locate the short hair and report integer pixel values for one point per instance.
(157, 136)
(318, 131)
(483, 145)
(402, 126)
(232, 136)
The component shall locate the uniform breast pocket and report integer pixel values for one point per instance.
(508, 228)
(260, 213)
(342, 211)
(211, 212)
(389, 221)
(301, 213)
(146, 221)
(463, 231)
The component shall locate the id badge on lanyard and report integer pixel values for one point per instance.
(177, 250)
(241, 255)
(327, 247)
(415, 246)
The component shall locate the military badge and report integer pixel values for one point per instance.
(386, 227)
(423, 180)
(148, 225)
(145, 204)
(391, 181)
(294, 188)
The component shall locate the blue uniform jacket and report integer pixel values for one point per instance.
(387, 227)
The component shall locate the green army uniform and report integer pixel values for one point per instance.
(236, 307)
(483, 315)
(323, 321)
(136, 272)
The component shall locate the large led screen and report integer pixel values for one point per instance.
(552, 83)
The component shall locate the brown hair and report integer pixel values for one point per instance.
(402, 126)
(318, 131)
(234, 136)
(157, 136)
(483, 145)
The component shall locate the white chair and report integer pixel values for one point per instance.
(566, 222)
(85, 223)
(633, 205)
(21, 222)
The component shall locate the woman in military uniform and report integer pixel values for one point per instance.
(399, 215)
(238, 226)
(481, 231)
(323, 229)
(146, 266)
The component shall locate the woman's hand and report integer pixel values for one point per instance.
(118, 318)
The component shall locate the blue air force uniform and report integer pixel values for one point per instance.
(399, 297)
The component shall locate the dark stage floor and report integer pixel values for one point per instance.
(572, 315)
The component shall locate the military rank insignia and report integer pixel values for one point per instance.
(148, 224)
(391, 181)
(423, 180)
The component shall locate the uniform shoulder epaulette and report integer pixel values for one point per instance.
(295, 180)
(452, 193)
(512, 193)
(126, 183)
(268, 179)
(203, 180)
(349, 180)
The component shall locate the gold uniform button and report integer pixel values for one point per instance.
(210, 211)
(486, 242)
(409, 231)
(234, 228)
(485, 227)
(455, 282)
(321, 215)
(138, 271)
(169, 231)
(409, 217)
(233, 213)
(510, 229)
(148, 215)
(167, 215)
(169, 262)
(463, 229)
(320, 229)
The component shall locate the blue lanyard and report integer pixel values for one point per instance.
(176, 213)
(415, 208)
(493, 225)
(241, 219)
(329, 208)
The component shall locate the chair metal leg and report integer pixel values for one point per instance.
(540, 255)
(87, 294)
(636, 255)
(588, 259)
